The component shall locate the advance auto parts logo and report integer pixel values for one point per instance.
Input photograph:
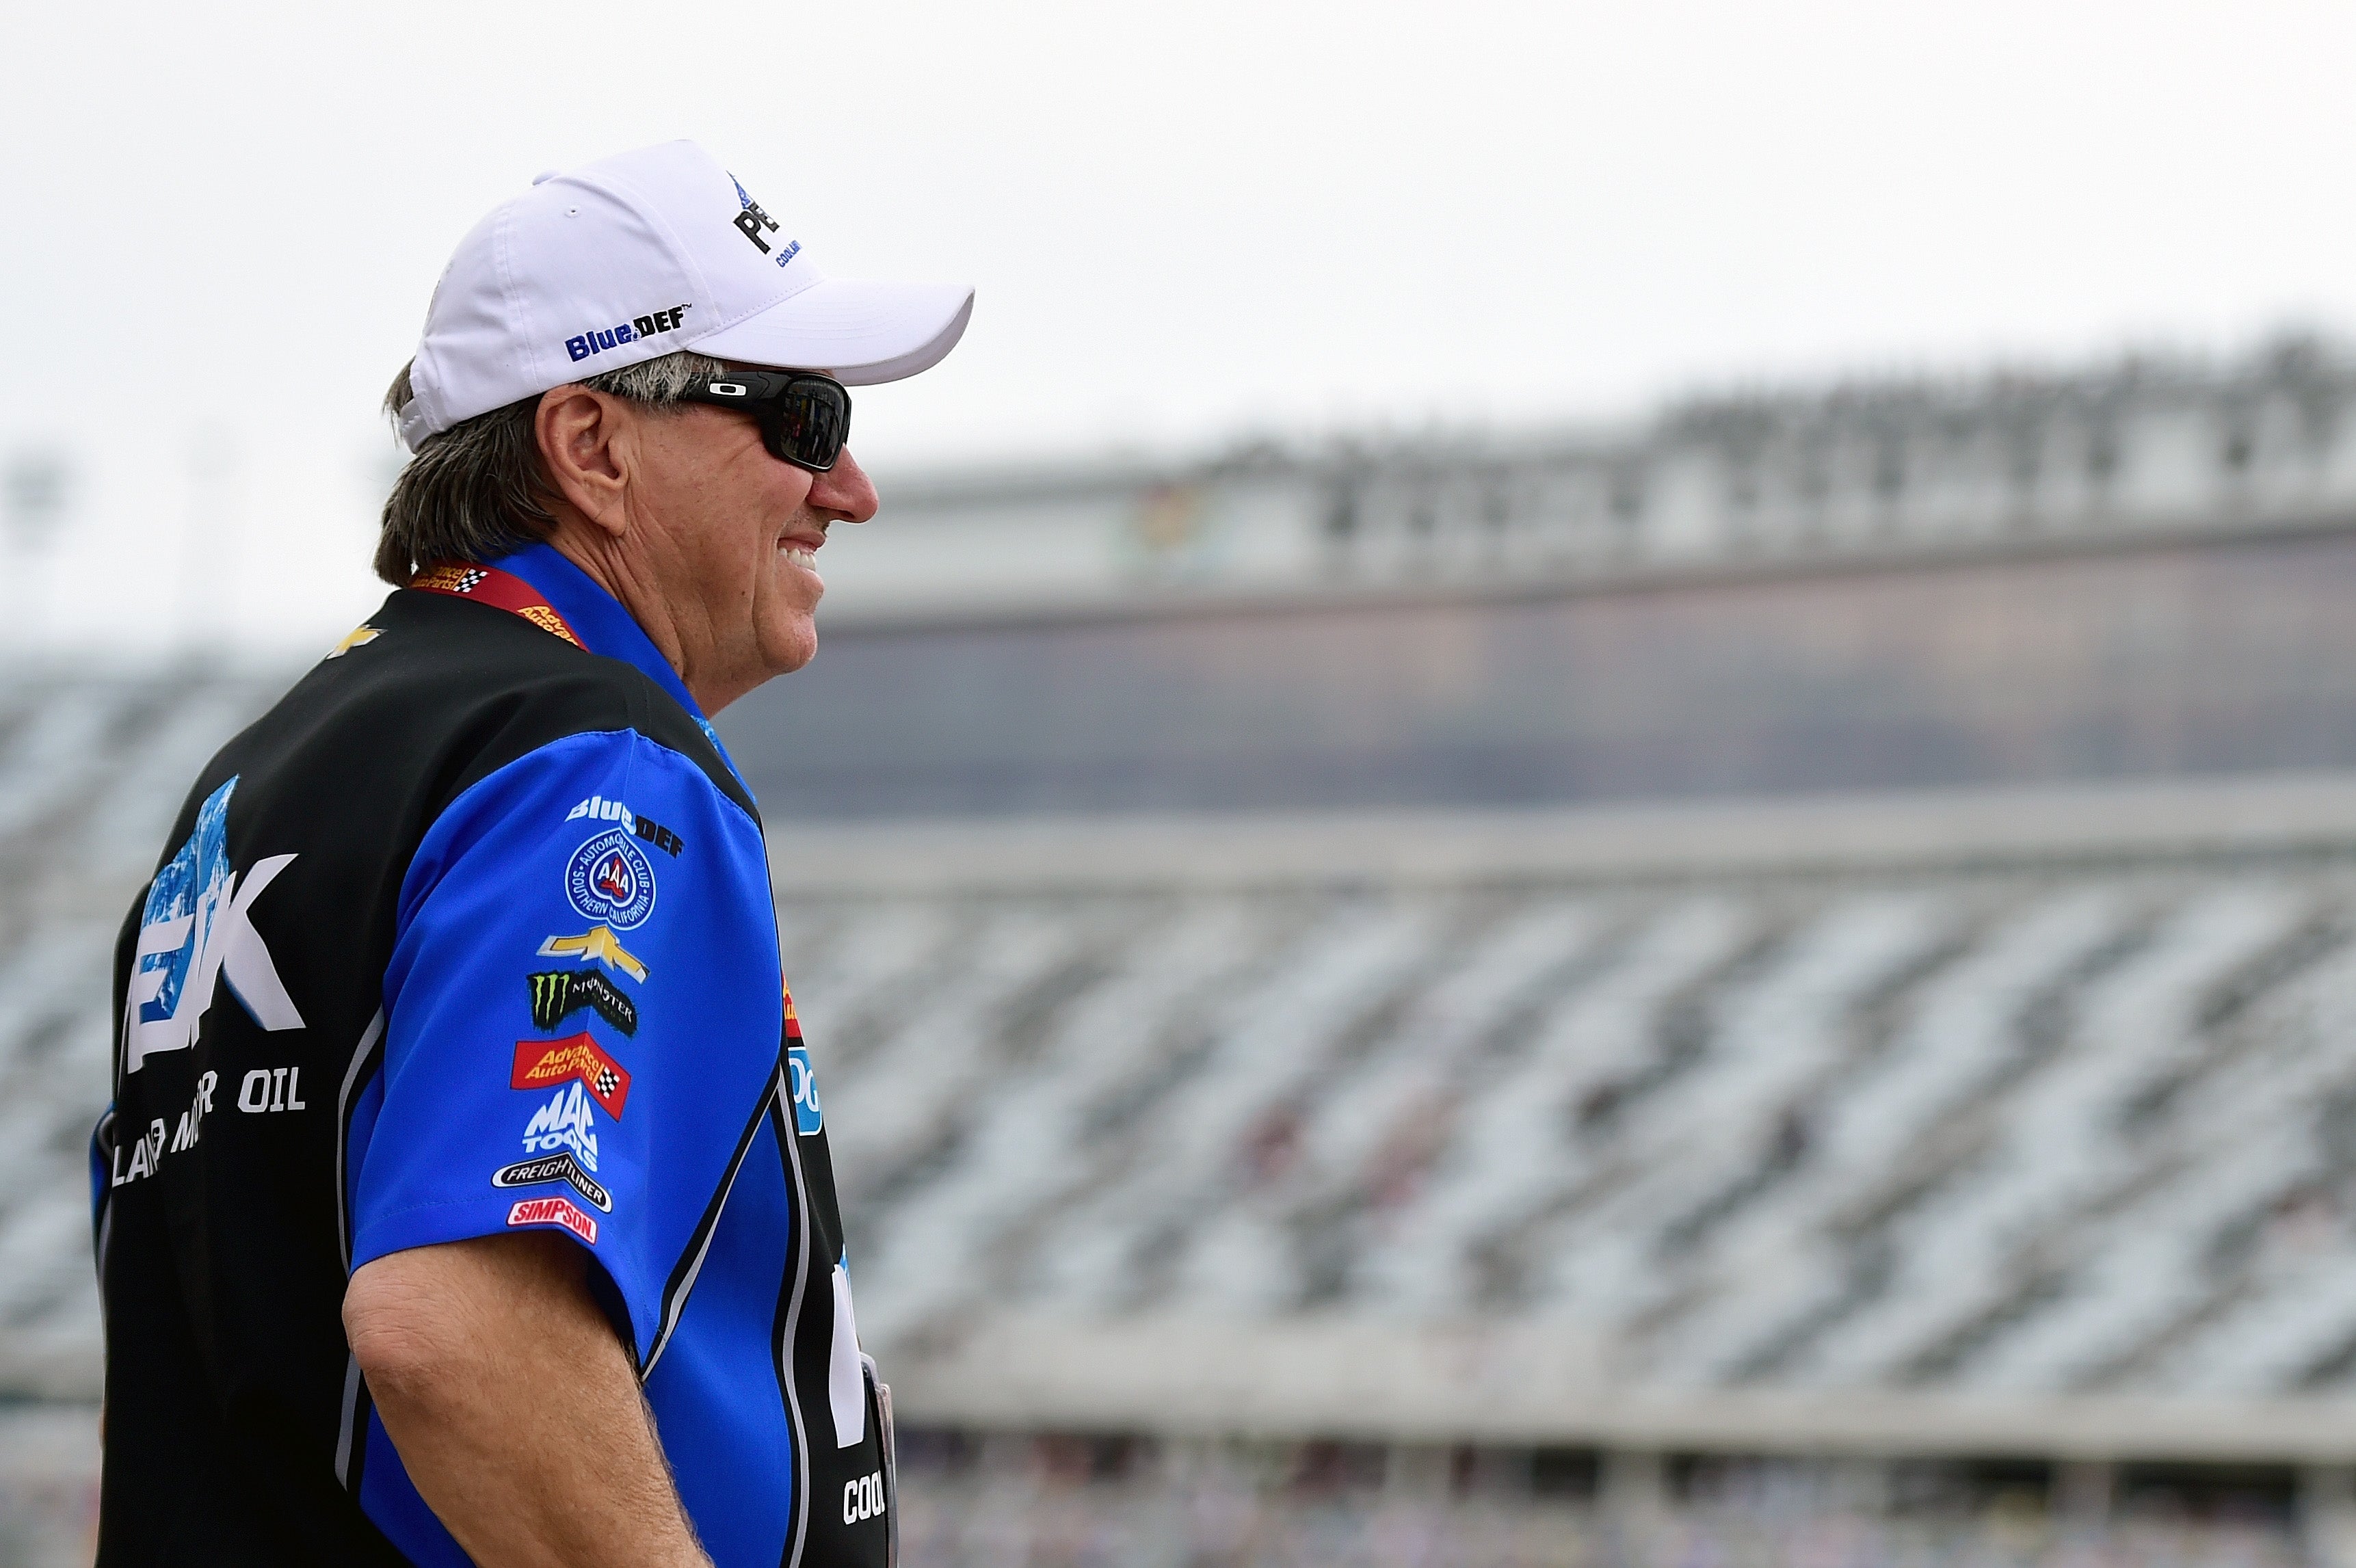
(610, 880)
(541, 1063)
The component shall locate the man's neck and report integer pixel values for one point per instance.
(603, 560)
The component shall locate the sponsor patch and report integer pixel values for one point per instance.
(195, 930)
(809, 1116)
(554, 1167)
(558, 994)
(568, 1122)
(358, 637)
(540, 1063)
(554, 1211)
(598, 945)
(598, 809)
(863, 1497)
(609, 879)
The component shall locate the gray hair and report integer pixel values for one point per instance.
(476, 491)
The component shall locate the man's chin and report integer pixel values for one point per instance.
(788, 648)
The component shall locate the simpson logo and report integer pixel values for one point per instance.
(558, 994)
(598, 945)
(554, 1167)
(598, 339)
(554, 1211)
(540, 1063)
(598, 807)
(610, 880)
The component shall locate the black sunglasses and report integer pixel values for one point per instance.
(804, 418)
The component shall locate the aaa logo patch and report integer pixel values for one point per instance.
(610, 880)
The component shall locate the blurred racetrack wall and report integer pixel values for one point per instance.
(1770, 985)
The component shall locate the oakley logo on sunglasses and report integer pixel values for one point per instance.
(804, 415)
(598, 341)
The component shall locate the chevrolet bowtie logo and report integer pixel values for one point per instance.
(597, 943)
(358, 636)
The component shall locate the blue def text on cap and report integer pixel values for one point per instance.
(597, 340)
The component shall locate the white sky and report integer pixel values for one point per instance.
(1186, 222)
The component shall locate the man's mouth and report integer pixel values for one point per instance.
(794, 555)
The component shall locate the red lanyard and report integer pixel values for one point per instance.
(504, 591)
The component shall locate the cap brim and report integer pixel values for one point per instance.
(861, 332)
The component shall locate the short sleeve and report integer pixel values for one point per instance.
(583, 1017)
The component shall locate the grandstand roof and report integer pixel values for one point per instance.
(2137, 451)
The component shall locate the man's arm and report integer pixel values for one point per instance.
(515, 1408)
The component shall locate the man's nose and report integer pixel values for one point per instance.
(844, 492)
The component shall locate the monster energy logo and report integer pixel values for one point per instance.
(558, 994)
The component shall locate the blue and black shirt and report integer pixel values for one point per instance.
(472, 933)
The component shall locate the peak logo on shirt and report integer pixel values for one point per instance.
(566, 1125)
(196, 928)
(598, 809)
(609, 879)
(598, 945)
(541, 1062)
(558, 994)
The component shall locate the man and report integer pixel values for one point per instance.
(465, 1190)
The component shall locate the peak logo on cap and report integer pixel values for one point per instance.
(752, 221)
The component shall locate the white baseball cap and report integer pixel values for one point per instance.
(639, 255)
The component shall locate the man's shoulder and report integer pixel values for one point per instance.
(448, 692)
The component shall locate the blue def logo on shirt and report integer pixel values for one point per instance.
(610, 881)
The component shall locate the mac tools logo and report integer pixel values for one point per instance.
(566, 1125)
(196, 928)
(610, 881)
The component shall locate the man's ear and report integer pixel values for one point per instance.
(585, 446)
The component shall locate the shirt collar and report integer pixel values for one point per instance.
(607, 628)
(596, 616)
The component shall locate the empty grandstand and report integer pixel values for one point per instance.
(1547, 1095)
